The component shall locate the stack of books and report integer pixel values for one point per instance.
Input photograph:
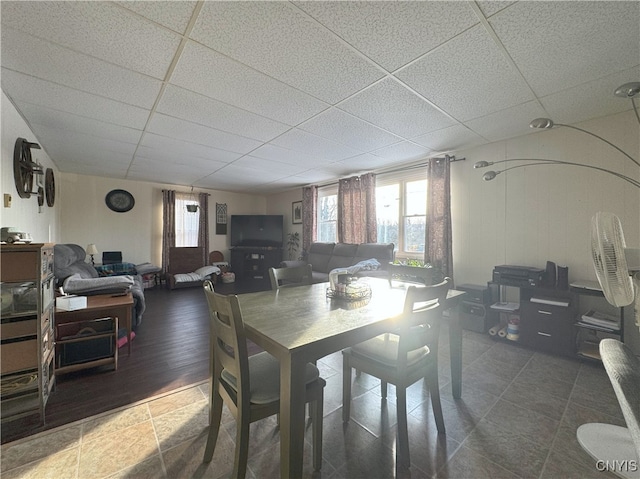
(600, 320)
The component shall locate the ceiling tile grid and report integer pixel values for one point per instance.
(277, 39)
(266, 96)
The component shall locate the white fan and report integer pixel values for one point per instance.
(614, 263)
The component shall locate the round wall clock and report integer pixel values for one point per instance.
(120, 201)
(50, 187)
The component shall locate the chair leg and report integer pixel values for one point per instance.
(242, 445)
(214, 426)
(346, 388)
(317, 410)
(403, 431)
(383, 389)
(436, 405)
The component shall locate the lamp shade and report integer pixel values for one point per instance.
(91, 249)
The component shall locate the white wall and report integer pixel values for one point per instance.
(281, 204)
(24, 212)
(137, 233)
(530, 215)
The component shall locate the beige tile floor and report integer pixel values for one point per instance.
(517, 418)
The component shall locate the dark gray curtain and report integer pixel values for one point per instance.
(438, 242)
(203, 226)
(168, 225)
(309, 217)
(357, 209)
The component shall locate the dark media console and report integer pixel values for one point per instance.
(248, 262)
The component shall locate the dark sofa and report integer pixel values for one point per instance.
(79, 277)
(325, 257)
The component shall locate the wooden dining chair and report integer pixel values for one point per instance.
(403, 358)
(293, 276)
(249, 386)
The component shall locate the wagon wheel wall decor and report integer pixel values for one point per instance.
(24, 168)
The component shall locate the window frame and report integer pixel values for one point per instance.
(182, 237)
(323, 192)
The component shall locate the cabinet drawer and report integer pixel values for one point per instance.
(19, 355)
(20, 266)
(548, 333)
(16, 329)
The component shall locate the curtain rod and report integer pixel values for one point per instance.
(208, 194)
(451, 159)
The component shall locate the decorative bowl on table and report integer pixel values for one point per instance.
(352, 291)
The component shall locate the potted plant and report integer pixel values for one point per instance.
(414, 269)
(293, 243)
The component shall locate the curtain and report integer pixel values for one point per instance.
(438, 242)
(309, 217)
(203, 227)
(357, 209)
(168, 225)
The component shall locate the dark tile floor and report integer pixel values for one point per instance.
(517, 417)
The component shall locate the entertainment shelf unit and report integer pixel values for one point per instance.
(254, 262)
(26, 329)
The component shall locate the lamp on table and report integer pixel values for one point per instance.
(91, 250)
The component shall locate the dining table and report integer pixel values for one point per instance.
(302, 324)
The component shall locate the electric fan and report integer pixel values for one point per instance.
(614, 263)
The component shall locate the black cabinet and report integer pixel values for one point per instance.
(254, 263)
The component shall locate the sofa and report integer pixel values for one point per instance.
(76, 276)
(325, 257)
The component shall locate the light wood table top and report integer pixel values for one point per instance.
(300, 324)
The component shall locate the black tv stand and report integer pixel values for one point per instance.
(254, 261)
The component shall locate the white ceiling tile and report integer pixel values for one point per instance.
(171, 14)
(182, 152)
(468, 77)
(188, 131)
(491, 7)
(198, 167)
(284, 155)
(315, 176)
(364, 162)
(278, 39)
(45, 60)
(590, 100)
(343, 128)
(393, 33)
(448, 139)
(508, 123)
(561, 44)
(78, 142)
(276, 168)
(23, 88)
(212, 113)
(314, 145)
(248, 173)
(99, 29)
(404, 151)
(39, 115)
(205, 71)
(393, 107)
(146, 169)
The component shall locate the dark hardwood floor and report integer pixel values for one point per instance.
(170, 350)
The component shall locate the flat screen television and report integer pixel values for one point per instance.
(257, 230)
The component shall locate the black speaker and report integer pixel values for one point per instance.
(550, 275)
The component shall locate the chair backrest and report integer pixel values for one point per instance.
(420, 322)
(623, 369)
(228, 342)
(216, 257)
(294, 276)
(111, 257)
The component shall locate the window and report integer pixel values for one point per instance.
(328, 214)
(401, 212)
(187, 223)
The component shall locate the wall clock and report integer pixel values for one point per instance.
(120, 201)
(50, 187)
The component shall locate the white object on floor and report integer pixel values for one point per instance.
(611, 447)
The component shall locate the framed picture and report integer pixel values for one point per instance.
(296, 212)
(221, 218)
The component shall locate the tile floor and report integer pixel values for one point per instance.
(517, 418)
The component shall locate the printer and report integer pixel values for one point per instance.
(520, 276)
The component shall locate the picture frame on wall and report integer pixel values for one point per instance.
(296, 212)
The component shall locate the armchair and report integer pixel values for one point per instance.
(78, 277)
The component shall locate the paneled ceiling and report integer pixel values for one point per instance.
(265, 96)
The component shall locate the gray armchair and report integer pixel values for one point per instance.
(76, 276)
